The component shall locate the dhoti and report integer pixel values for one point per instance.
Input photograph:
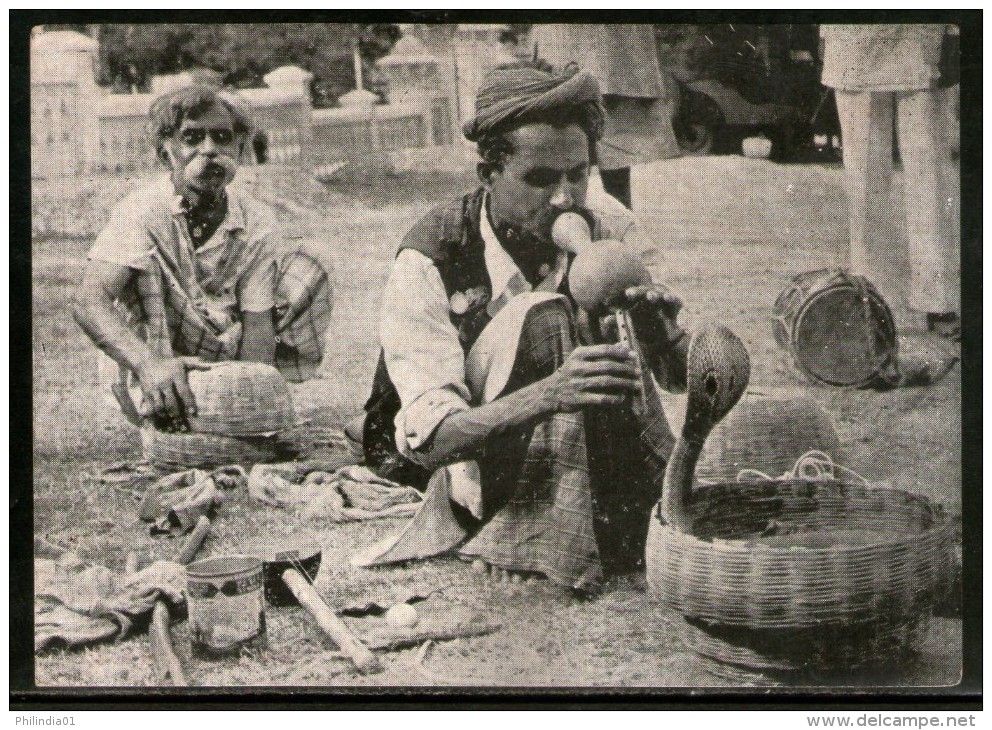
(568, 497)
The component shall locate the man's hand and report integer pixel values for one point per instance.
(595, 375)
(655, 311)
(166, 389)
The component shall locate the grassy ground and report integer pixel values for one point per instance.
(730, 234)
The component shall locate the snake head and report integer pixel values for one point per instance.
(717, 375)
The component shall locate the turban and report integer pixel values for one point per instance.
(516, 92)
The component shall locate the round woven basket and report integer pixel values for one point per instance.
(240, 399)
(779, 574)
(842, 650)
(188, 450)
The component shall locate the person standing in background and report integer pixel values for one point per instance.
(872, 69)
(639, 108)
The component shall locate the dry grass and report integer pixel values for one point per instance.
(728, 254)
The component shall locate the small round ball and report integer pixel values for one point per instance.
(402, 615)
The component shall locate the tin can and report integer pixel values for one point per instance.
(226, 608)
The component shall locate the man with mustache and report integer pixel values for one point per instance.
(493, 385)
(190, 270)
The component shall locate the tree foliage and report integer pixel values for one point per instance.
(242, 54)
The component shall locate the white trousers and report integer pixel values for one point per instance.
(929, 260)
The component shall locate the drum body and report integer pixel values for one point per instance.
(835, 329)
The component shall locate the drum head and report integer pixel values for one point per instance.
(839, 340)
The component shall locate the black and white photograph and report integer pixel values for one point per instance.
(425, 355)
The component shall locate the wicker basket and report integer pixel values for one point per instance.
(189, 450)
(779, 574)
(240, 399)
(767, 435)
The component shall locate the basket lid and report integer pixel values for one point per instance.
(768, 435)
(241, 399)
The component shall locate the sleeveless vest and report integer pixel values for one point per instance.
(450, 237)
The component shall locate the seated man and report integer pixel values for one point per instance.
(492, 383)
(190, 270)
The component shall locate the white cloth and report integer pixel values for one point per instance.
(876, 69)
(925, 269)
(881, 57)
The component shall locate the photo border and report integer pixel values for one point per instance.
(25, 696)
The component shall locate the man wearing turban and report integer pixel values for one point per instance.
(494, 389)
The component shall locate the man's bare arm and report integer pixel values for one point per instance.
(163, 380)
(258, 338)
(94, 311)
(593, 376)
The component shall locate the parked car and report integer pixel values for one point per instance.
(739, 81)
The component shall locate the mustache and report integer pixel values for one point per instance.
(199, 164)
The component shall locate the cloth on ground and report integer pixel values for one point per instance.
(76, 604)
(175, 502)
(439, 619)
(129, 473)
(349, 494)
(921, 359)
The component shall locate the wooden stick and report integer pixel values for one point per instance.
(168, 667)
(334, 627)
(194, 541)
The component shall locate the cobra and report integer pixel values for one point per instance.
(718, 371)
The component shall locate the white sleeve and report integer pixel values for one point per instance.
(423, 356)
(125, 240)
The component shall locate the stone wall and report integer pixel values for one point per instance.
(78, 128)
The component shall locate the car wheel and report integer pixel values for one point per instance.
(697, 122)
(696, 138)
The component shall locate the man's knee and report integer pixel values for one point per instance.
(548, 335)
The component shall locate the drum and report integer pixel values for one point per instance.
(835, 329)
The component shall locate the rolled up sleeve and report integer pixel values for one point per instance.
(256, 290)
(424, 358)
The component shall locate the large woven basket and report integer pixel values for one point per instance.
(188, 450)
(778, 574)
(240, 399)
